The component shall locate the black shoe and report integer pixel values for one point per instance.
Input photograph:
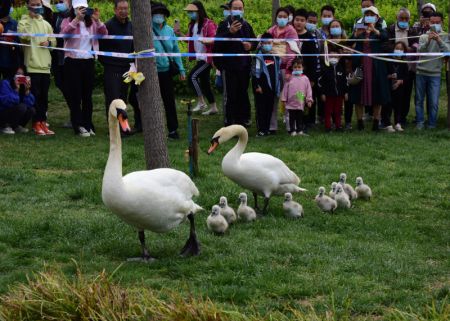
(360, 124)
(174, 135)
(261, 134)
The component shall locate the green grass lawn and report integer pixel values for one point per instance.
(392, 252)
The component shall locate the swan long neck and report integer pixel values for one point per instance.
(113, 170)
(236, 152)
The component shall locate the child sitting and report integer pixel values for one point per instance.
(266, 84)
(333, 88)
(296, 94)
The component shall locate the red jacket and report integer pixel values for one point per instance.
(208, 30)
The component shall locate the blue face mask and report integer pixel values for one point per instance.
(337, 31)
(437, 27)
(282, 22)
(37, 10)
(326, 21)
(236, 13)
(297, 73)
(311, 26)
(11, 10)
(192, 15)
(370, 19)
(266, 48)
(61, 7)
(226, 13)
(403, 24)
(158, 18)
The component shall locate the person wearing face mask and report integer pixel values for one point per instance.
(199, 77)
(428, 77)
(16, 103)
(79, 67)
(266, 83)
(166, 66)
(373, 90)
(283, 30)
(402, 31)
(326, 16)
(296, 95)
(333, 89)
(364, 5)
(235, 70)
(10, 55)
(38, 61)
(423, 25)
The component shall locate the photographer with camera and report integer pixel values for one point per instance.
(16, 103)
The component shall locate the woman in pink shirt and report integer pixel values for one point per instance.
(79, 66)
(296, 94)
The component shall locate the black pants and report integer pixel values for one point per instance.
(18, 115)
(168, 97)
(348, 111)
(40, 84)
(296, 119)
(236, 101)
(200, 80)
(408, 85)
(397, 105)
(264, 106)
(79, 83)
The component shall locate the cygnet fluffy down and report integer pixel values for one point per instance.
(324, 202)
(216, 222)
(342, 198)
(292, 209)
(227, 211)
(333, 190)
(348, 189)
(244, 212)
(362, 190)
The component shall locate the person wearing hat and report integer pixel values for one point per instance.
(199, 77)
(235, 70)
(38, 61)
(373, 90)
(167, 67)
(423, 25)
(79, 66)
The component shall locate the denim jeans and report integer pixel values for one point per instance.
(431, 87)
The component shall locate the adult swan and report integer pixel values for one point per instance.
(157, 200)
(262, 174)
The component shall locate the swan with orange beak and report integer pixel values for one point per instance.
(261, 173)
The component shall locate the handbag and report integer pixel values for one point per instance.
(355, 77)
(173, 67)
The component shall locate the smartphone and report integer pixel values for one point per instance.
(237, 18)
(89, 12)
(21, 79)
(432, 28)
(360, 26)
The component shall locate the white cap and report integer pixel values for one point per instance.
(429, 5)
(79, 3)
(373, 9)
(46, 3)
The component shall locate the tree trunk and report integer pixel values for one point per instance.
(275, 5)
(149, 96)
(419, 7)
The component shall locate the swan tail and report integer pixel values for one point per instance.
(196, 208)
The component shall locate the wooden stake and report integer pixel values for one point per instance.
(195, 148)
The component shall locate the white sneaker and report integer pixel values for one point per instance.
(210, 112)
(20, 129)
(389, 129)
(294, 134)
(8, 131)
(399, 128)
(301, 133)
(199, 107)
(82, 132)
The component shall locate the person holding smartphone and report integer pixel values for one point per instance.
(235, 70)
(16, 103)
(79, 67)
(373, 90)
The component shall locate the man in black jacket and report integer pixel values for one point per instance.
(114, 68)
(235, 70)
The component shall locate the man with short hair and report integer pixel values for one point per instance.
(114, 68)
(428, 78)
(326, 16)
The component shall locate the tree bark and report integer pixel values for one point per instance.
(275, 5)
(419, 7)
(149, 95)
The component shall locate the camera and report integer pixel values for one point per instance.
(89, 12)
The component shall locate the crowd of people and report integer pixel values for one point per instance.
(299, 70)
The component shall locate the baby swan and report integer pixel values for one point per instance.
(333, 190)
(362, 190)
(226, 211)
(292, 209)
(324, 202)
(245, 212)
(341, 197)
(216, 223)
(348, 189)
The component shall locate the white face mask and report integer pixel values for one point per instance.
(334, 61)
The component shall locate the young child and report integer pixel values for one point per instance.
(266, 84)
(397, 73)
(296, 94)
(333, 88)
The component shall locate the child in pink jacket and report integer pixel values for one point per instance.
(296, 94)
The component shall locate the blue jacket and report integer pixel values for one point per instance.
(10, 55)
(10, 98)
(162, 63)
(259, 67)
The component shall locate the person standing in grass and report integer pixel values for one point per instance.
(266, 83)
(114, 68)
(38, 61)
(428, 77)
(296, 94)
(200, 75)
(10, 55)
(79, 67)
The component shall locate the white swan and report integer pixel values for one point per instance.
(262, 174)
(157, 200)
